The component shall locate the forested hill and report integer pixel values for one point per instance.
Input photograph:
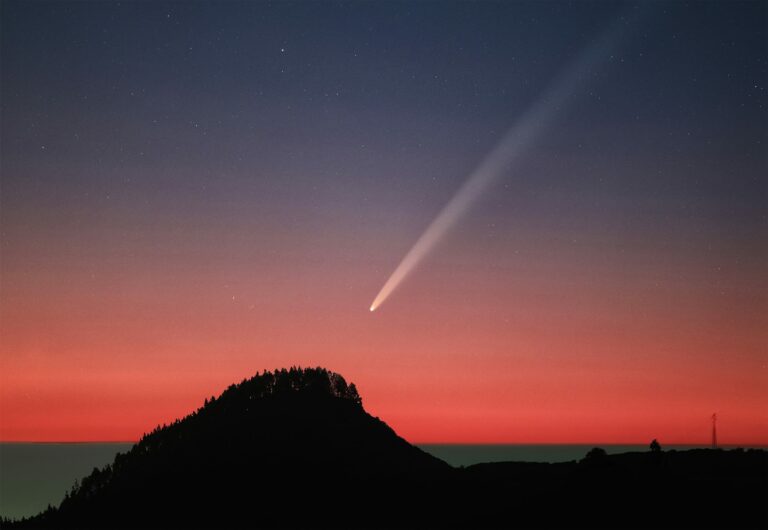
(295, 448)
(257, 452)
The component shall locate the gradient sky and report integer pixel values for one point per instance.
(193, 192)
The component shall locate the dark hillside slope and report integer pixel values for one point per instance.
(279, 448)
(699, 488)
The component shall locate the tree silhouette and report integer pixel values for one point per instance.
(655, 446)
(595, 458)
(595, 454)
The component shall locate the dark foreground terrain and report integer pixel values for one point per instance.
(295, 448)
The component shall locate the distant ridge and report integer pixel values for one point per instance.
(295, 448)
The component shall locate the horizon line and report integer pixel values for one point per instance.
(594, 444)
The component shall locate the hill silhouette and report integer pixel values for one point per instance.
(295, 448)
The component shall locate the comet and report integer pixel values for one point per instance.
(500, 160)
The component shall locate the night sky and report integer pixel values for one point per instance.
(193, 191)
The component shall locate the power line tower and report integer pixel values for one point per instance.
(714, 431)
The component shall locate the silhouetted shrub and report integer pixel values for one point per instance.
(595, 456)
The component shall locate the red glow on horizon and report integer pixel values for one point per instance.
(475, 371)
(571, 344)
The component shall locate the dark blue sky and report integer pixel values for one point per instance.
(399, 92)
